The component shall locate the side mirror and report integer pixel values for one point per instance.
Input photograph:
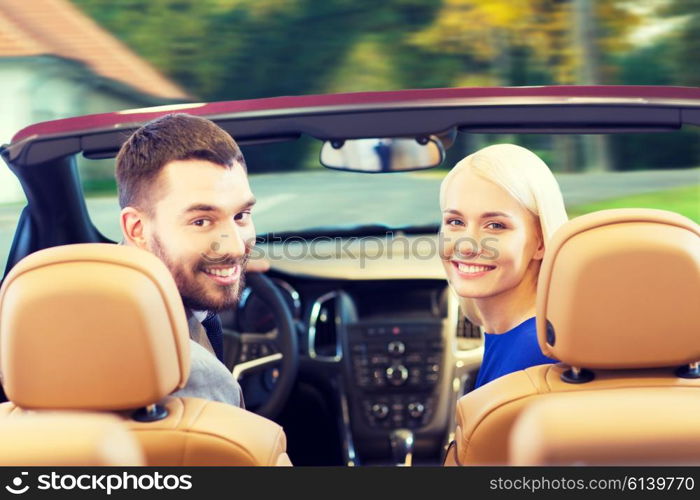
(383, 155)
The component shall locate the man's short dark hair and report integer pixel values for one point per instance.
(172, 137)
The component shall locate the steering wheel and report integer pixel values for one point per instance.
(254, 352)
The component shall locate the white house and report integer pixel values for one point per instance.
(56, 62)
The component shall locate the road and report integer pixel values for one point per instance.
(290, 201)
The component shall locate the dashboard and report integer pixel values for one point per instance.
(389, 332)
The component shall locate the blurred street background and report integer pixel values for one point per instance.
(61, 58)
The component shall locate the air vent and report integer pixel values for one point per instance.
(466, 330)
(324, 341)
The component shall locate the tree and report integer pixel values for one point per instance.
(684, 41)
(530, 42)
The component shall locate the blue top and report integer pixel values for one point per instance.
(511, 351)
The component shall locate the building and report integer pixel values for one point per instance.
(56, 62)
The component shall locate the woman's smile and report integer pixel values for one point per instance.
(471, 270)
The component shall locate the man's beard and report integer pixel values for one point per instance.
(194, 294)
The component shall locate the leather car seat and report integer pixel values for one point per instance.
(617, 305)
(644, 427)
(67, 439)
(100, 327)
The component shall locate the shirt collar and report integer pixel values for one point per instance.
(200, 315)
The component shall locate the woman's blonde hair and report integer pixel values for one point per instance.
(526, 178)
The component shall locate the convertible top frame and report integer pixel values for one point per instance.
(42, 156)
(599, 109)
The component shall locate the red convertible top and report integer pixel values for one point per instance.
(488, 96)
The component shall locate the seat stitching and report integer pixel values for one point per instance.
(193, 433)
(532, 381)
(275, 447)
(186, 426)
(489, 413)
(215, 435)
(203, 405)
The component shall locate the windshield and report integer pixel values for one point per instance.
(296, 194)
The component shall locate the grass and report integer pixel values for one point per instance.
(684, 200)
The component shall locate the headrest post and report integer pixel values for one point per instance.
(576, 375)
(150, 413)
(689, 371)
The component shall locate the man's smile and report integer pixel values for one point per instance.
(223, 275)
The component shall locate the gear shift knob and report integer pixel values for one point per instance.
(402, 446)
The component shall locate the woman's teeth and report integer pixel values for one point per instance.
(472, 269)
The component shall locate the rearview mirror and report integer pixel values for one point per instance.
(383, 155)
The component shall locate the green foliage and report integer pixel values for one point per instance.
(684, 200)
(650, 65)
(685, 43)
(642, 151)
(241, 49)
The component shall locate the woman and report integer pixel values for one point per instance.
(500, 206)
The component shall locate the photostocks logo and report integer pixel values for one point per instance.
(360, 248)
(103, 482)
(17, 488)
(214, 247)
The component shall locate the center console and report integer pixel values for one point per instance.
(394, 368)
(390, 340)
(393, 371)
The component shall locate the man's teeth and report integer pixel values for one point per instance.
(223, 273)
(472, 269)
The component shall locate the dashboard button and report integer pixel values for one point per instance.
(380, 411)
(434, 368)
(396, 348)
(397, 407)
(397, 374)
(360, 362)
(379, 359)
(416, 409)
(414, 359)
(378, 379)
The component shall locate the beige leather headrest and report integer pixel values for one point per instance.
(67, 439)
(642, 426)
(91, 327)
(621, 289)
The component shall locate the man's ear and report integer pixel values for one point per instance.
(132, 222)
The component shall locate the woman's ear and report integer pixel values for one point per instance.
(132, 221)
(539, 251)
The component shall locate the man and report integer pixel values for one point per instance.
(184, 194)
